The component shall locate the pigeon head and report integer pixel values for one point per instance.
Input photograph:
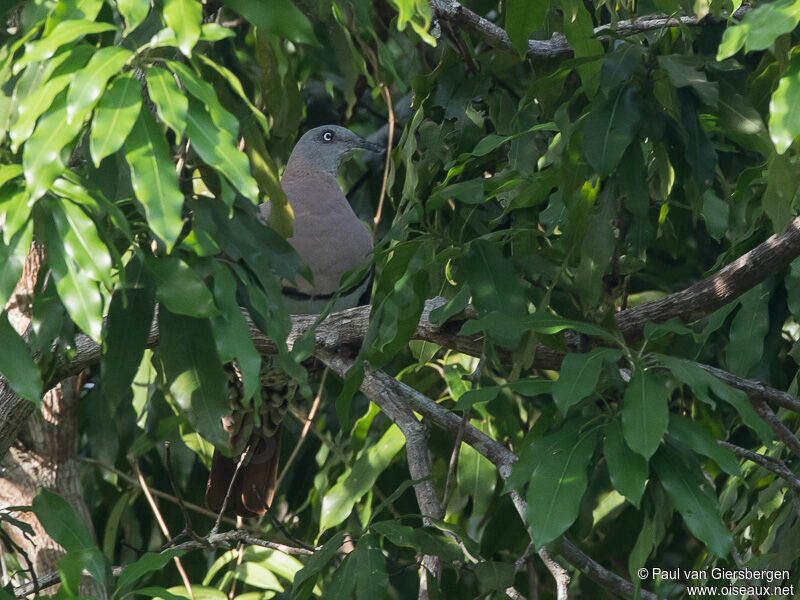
(326, 147)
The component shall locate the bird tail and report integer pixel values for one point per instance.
(253, 488)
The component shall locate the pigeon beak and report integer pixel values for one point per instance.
(367, 145)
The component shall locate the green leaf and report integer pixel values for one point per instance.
(61, 521)
(318, 561)
(696, 437)
(351, 486)
(609, 129)
(205, 93)
(578, 27)
(690, 492)
(46, 152)
(546, 322)
(468, 399)
(41, 99)
(232, 332)
(13, 253)
(115, 115)
(9, 173)
(170, 101)
(532, 386)
(179, 592)
(343, 581)
(781, 195)
(579, 375)
(620, 65)
(80, 297)
(493, 575)
(214, 32)
(147, 563)
(523, 17)
(682, 72)
(90, 82)
(16, 364)
(627, 470)
(372, 580)
(655, 331)
(236, 86)
(422, 540)
(701, 382)
(700, 154)
(468, 192)
(179, 288)
(597, 248)
(281, 18)
(741, 122)
(81, 242)
(759, 28)
(495, 286)
(397, 302)
(134, 12)
(748, 328)
(71, 566)
(218, 149)
(418, 15)
(63, 33)
(646, 542)
(716, 214)
(476, 476)
(253, 574)
(558, 480)
(130, 317)
(195, 378)
(282, 565)
(645, 412)
(184, 18)
(154, 178)
(784, 109)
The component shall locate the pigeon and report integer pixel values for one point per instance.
(332, 240)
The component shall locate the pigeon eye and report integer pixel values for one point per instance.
(327, 136)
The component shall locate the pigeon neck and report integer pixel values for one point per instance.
(298, 168)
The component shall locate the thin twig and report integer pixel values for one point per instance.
(768, 462)
(169, 497)
(451, 468)
(212, 539)
(245, 456)
(187, 520)
(306, 426)
(163, 525)
(387, 96)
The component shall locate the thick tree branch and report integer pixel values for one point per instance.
(557, 45)
(349, 327)
(704, 297)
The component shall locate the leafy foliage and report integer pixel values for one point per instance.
(551, 192)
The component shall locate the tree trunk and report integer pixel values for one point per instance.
(44, 454)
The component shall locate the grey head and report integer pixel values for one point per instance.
(325, 148)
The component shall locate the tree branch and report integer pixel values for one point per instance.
(731, 281)
(381, 386)
(768, 462)
(557, 45)
(349, 327)
(419, 462)
(216, 540)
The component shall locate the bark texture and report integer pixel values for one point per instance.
(44, 453)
